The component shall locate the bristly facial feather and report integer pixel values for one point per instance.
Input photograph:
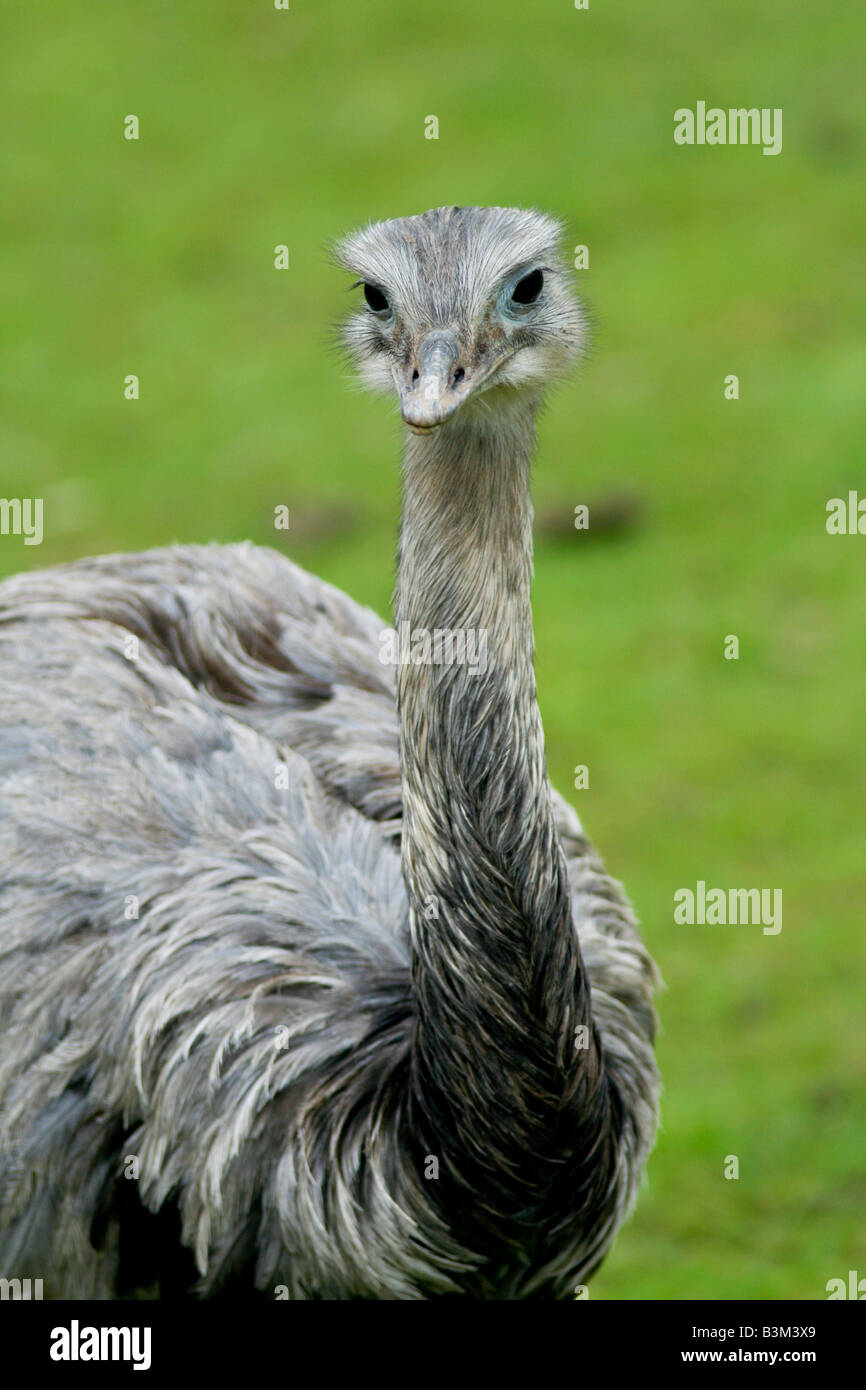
(457, 268)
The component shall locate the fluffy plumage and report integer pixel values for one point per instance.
(308, 981)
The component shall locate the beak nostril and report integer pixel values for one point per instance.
(428, 382)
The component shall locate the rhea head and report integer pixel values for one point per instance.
(459, 303)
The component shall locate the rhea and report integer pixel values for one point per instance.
(310, 984)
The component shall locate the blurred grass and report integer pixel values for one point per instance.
(261, 127)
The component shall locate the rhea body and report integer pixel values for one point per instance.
(309, 937)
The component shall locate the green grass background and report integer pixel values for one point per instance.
(261, 127)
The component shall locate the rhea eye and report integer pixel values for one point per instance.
(527, 290)
(377, 301)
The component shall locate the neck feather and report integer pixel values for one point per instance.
(499, 984)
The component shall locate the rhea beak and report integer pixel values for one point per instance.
(435, 385)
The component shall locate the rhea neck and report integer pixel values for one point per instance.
(471, 740)
(496, 965)
(465, 560)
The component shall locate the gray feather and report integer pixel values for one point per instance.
(215, 851)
